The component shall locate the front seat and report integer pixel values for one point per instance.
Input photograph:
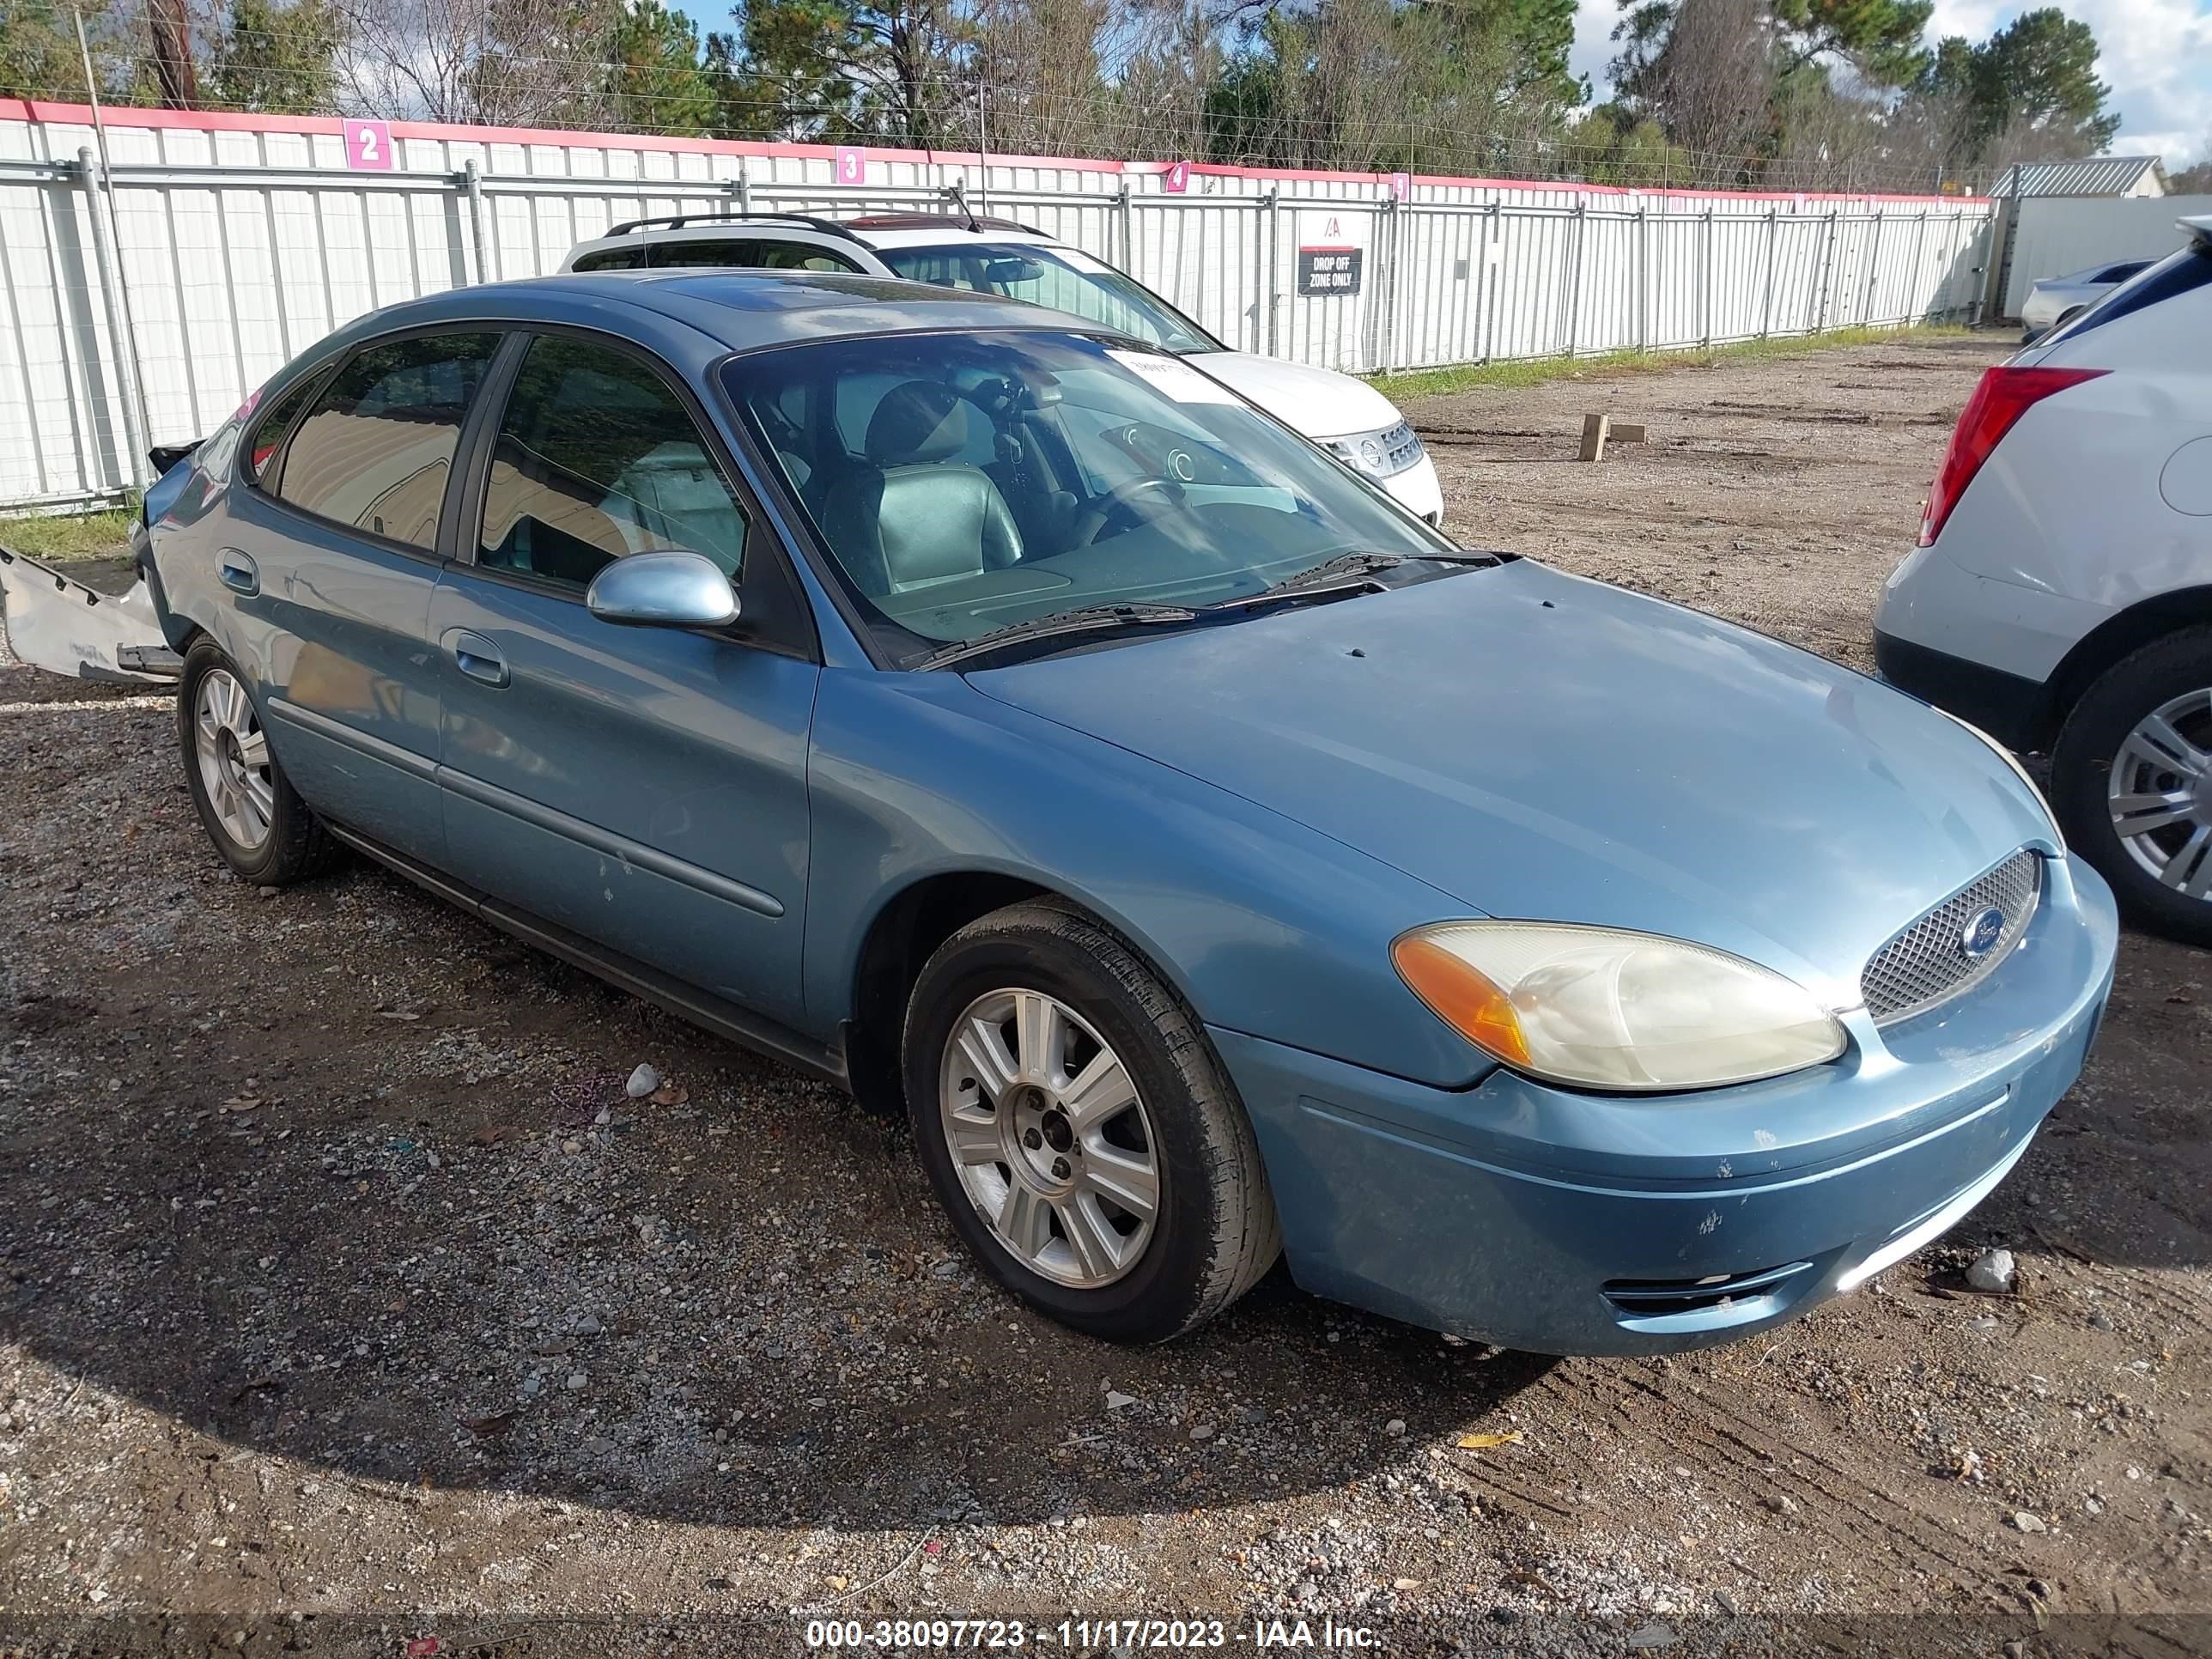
(910, 515)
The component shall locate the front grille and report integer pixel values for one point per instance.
(1401, 447)
(1928, 961)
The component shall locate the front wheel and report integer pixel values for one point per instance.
(1080, 1132)
(2131, 780)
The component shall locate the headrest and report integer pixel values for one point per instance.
(918, 423)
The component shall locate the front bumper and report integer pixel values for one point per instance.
(1416, 490)
(1562, 1223)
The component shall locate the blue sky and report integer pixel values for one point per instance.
(2156, 54)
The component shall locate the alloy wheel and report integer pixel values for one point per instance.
(2159, 794)
(234, 759)
(1049, 1137)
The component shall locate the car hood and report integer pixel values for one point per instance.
(1537, 745)
(1317, 402)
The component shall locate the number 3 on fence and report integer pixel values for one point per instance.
(369, 144)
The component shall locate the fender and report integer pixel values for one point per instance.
(1262, 925)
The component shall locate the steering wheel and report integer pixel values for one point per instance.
(1123, 497)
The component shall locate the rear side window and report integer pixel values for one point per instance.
(2186, 271)
(598, 458)
(376, 449)
(613, 259)
(271, 424)
(711, 255)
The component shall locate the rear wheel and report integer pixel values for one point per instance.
(2132, 778)
(1080, 1132)
(254, 817)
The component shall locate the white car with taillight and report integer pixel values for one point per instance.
(1348, 418)
(2061, 594)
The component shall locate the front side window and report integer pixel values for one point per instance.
(802, 256)
(1064, 278)
(596, 457)
(374, 451)
(966, 481)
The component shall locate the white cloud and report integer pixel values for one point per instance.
(1594, 47)
(2156, 54)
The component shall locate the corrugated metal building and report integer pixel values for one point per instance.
(2097, 175)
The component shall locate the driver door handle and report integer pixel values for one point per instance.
(475, 655)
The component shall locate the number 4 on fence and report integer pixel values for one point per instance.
(368, 145)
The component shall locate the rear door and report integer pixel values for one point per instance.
(644, 788)
(333, 555)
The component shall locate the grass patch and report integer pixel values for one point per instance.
(1615, 365)
(59, 537)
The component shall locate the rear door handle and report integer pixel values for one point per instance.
(238, 573)
(475, 655)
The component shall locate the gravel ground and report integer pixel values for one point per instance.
(349, 1300)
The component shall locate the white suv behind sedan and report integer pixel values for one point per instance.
(1348, 418)
(2061, 596)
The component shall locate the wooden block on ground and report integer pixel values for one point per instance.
(1594, 427)
(1624, 432)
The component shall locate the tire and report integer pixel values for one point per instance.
(2099, 739)
(1212, 1233)
(219, 736)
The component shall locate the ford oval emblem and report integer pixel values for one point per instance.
(1982, 933)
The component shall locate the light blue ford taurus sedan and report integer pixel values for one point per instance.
(1000, 718)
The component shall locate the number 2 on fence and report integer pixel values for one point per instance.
(368, 145)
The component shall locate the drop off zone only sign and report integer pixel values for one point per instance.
(1332, 251)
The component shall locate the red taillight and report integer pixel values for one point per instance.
(2004, 395)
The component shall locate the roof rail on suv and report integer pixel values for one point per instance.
(677, 220)
(934, 220)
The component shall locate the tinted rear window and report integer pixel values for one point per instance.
(2188, 269)
(374, 451)
(273, 423)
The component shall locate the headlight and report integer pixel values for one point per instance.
(1601, 1008)
(2058, 835)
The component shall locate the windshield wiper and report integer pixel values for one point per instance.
(1090, 619)
(1328, 578)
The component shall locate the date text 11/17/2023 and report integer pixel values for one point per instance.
(1009, 1635)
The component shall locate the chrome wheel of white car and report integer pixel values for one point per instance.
(234, 759)
(2160, 793)
(1049, 1137)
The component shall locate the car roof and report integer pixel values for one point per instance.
(941, 235)
(738, 308)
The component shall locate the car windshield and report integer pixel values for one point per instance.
(964, 483)
(1064, 278)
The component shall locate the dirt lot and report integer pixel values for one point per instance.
(347, 1297)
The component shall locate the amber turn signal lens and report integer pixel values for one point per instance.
(1462, 997)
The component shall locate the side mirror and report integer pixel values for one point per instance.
(667, 589)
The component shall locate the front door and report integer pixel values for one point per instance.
(644, 787)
